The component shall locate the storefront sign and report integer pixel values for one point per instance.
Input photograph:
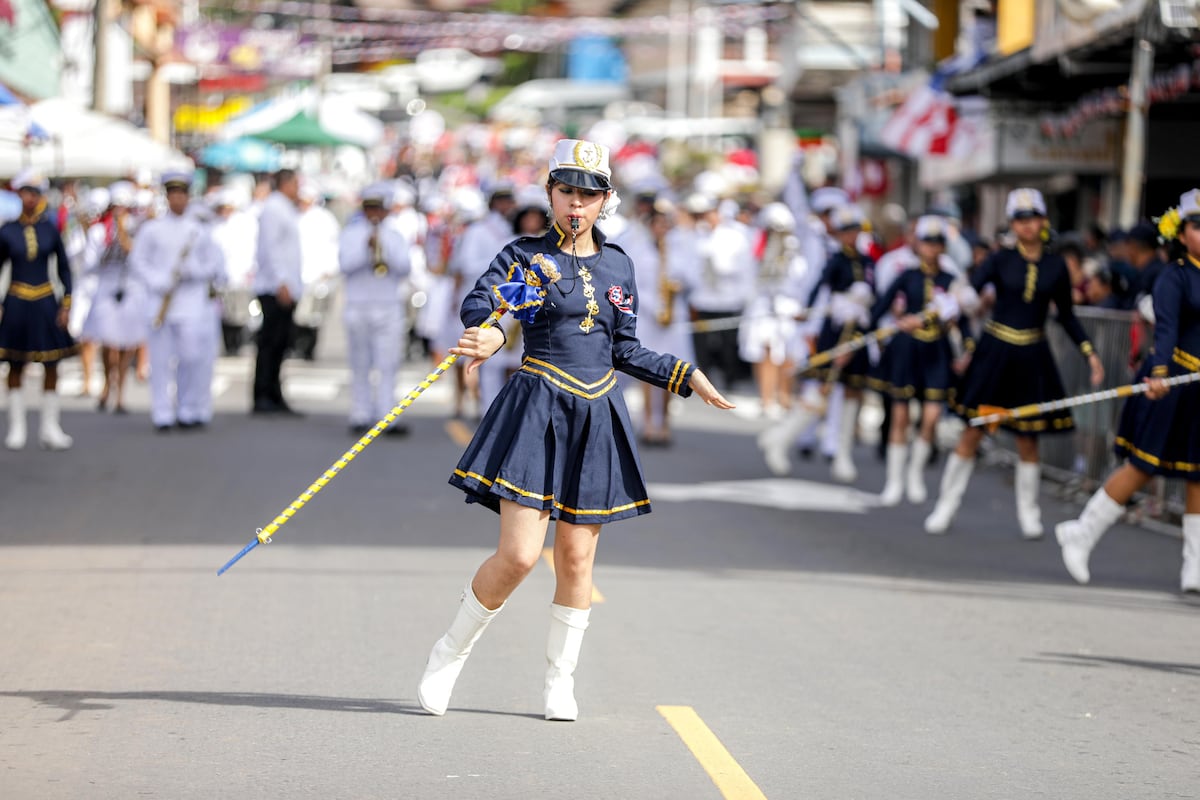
(1024, 148)
(205, 119)
(217, 49)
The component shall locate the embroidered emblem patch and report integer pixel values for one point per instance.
(623, 302)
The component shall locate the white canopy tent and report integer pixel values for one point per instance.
(337, 115)
(83, 143)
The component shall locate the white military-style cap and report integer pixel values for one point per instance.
(1189, 204)
(123, 194)
(931, 228)
(30, 179)
(699, 203)
(177, 180)
(582, 164)
(376, 195)
(1025, 203)
(403, 193)
(827, 198)
(777, 217)
(97, 201)
(847, 217)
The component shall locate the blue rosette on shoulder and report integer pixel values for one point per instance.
(523, 298)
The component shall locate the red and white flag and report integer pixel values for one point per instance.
(923, 125)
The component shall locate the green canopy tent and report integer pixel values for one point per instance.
(302, 129)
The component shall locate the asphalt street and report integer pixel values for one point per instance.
(753, 637)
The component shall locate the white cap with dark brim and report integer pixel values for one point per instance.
(581, 164)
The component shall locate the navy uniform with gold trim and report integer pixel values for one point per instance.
(1156, 437)
(850, 276)
(29, 329)
(1012, 364)
(917, 365)
(1162, 437)
(558, 436)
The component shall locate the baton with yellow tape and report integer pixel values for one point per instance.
(992, 417)
(523, 299)
(857, 343)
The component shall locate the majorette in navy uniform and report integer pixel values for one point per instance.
(557, 441)
(917, 362)
(1159, 432)
(34, 324)
(1012, 364)
(558, 436)
(849, 277)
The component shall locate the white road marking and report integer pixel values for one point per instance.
(791, 495)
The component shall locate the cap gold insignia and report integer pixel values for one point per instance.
(588, 156)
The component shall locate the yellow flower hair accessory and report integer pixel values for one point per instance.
(1168, 225)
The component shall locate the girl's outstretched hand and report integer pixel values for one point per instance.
(702, 386)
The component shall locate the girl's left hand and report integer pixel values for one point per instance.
(1097, 369)
(702, 386)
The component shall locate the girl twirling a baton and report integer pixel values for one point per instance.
(557, 442)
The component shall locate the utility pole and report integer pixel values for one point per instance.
(1134, 167)
(100, 56)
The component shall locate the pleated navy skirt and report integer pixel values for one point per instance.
(29, 331)
(914, 369)
(569, 451)
(1010, 375)
(1162, 437)
(854, 374)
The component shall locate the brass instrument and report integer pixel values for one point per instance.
(667, 288)
(381, 267)
(161, 316)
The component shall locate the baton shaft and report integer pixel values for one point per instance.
(379, 427)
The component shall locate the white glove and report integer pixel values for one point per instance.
(1145, 307)
(967, 297)
(862, 294)
(844, 310)
(945, 305)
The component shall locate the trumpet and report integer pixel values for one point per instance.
(381, 267)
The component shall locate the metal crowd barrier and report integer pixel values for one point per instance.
(1082, 460)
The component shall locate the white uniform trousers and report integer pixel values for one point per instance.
(182, 353)
(374, 334)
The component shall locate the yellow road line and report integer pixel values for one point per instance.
(731, 780)
(458, 431)
(548, 555)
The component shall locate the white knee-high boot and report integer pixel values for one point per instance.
(954, 485)
(450, 652)
(50, 432)
(15, 440)
(1077, 537)
(567, 626)
(777, 441)
(843, 468)
(1189, 577)
(893, 489)
(1029, 514)
(915, 487)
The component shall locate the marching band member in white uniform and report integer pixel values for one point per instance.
(175, 256)
(118, 319)
(768, 337)
(375, 260)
